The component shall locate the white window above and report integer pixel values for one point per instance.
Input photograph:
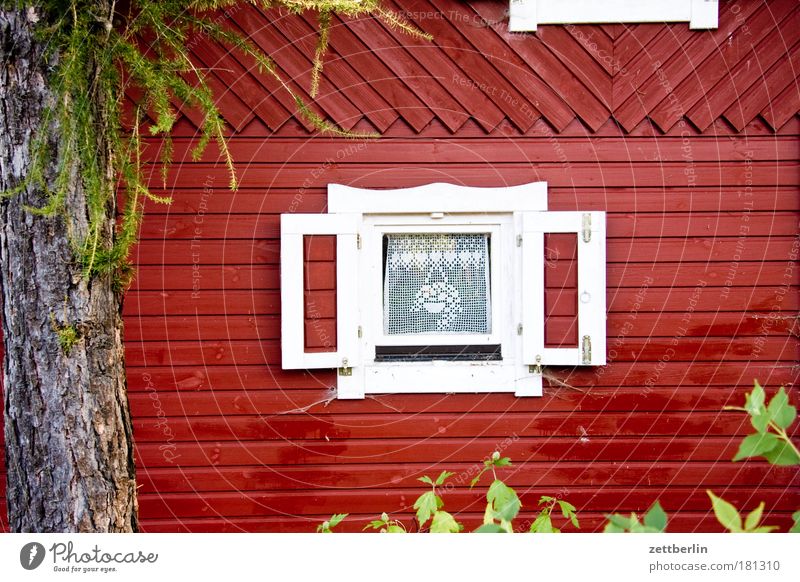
(526, 15)
(440, 288)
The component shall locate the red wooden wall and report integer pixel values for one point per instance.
(689, 140)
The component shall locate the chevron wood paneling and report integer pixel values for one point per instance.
(475, 72)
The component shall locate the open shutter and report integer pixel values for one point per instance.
(589, 228)
(294, 227)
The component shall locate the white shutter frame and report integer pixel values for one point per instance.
(590, 229)
(293, 228)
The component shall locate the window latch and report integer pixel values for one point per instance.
(345, 370)
(587, 350)
(537, 367)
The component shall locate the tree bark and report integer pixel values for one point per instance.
(68, 434)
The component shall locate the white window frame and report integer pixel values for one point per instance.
(526, 15)
(516, 218)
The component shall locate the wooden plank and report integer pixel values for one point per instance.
(634, 102)
(273, 108)
(679, 349)
(783, 108)
(482, 73)
(265, 252)
(705, 174)
(595, 149)
(686, 522)
(630, 324)
(615, 374)
(442, 451)
(594, 43)
(599, 475)
(259, 277)
(522, 60)
(739, 78)
(612, 199)
(761, 94)
(394, 54)
(353, 426)
(295, 64)
(272, 402)
(564, 95)
(698, 94)
(633, 40)
(375, 72)
(442, 68)
(338, 73)
(560, 302)
(665, 226)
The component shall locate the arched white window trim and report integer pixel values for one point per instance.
(516, 218)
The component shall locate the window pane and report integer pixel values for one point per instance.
(437, 284)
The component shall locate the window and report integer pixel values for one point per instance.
(525, 15)
(441, 288)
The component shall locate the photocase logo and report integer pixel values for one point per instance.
(31, 555)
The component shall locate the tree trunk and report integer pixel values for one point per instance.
(68, 435)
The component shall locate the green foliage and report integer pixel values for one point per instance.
(99, 52)
(796, 525)
(491, 464)
(730, 519)
(429, 505)
(655, 521)
(544, 522)
(327, 526)
(770, 441)
(386, 525)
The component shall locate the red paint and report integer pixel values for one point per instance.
(243, 454)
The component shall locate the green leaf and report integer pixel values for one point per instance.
(567, 508)
(542, 524)
(375, 524)
(621, 521)
(337, 518)
(754, 402)
(726, 513)
(443, 522)
(394, 529)
(443, 477)
(780, 411)
(796, 526)
(656, 518)
(426, 479)
(426, 506)
(504, 500)
(612, 528)
(490, 528)
(504, 462)
(546, 499)
(783, 455)
(574, 519)
(488, 515)
(757, 444)
(763, 529)
(754, 517)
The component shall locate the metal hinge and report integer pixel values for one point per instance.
(519, 329)
(587, 350)
(519, 240)
(358, 241)
(587, 227)
(537, 367)
(359, 331)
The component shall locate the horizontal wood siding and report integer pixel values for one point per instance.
(703, 211)
(702, 292)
